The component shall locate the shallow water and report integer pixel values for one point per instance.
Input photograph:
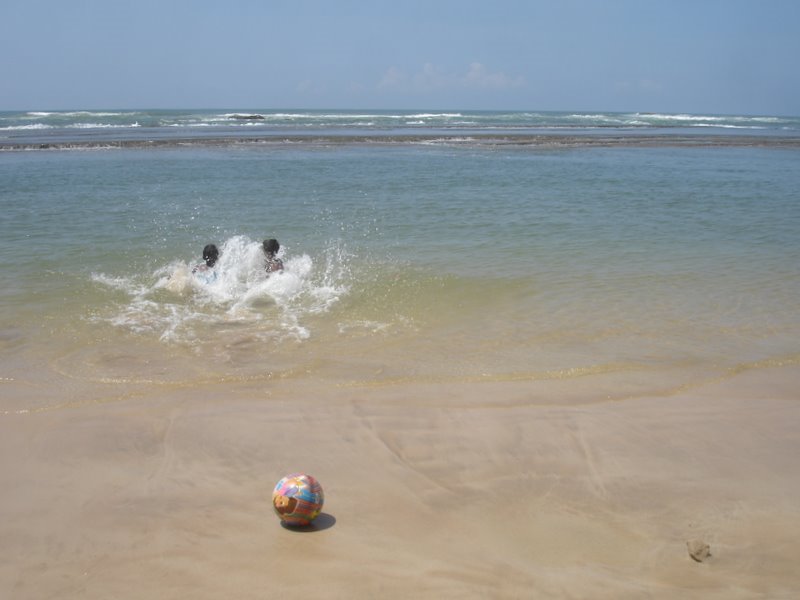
(654, 268)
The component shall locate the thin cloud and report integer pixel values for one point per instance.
(479, 76)
(393, 78)
(432, 78)
(640, 85)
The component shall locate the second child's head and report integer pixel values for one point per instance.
(271, 247)
(210, 255)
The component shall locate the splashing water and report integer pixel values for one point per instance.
(180, 305)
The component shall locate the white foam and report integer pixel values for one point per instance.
(176, 304)
(24, 127)
(447, 141)
(123, 284)
(101, 126)
(681, 117)
(77, 113)
(311, 116)
(433, 116)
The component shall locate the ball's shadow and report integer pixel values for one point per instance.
(321, 523)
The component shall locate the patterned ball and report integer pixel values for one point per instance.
(298, 499)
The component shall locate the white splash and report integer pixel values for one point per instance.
(178, 301)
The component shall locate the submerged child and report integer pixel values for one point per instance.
(210, 256)
(273, 264)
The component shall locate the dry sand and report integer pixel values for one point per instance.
(454, 491)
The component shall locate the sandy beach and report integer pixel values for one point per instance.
(496, 490)
(517, 284)
(520, 365)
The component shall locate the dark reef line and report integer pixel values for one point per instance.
(543, 141)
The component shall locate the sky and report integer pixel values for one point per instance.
(679, 56)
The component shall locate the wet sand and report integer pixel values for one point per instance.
(495, 490)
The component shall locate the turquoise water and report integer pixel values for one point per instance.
(404, 261)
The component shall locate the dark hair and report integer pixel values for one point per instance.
(271, 246)
(210, 254)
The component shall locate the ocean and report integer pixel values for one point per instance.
(597, 255)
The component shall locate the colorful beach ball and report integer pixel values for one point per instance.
(298, 499)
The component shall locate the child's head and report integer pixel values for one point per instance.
(271, 247)
(210, 254)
